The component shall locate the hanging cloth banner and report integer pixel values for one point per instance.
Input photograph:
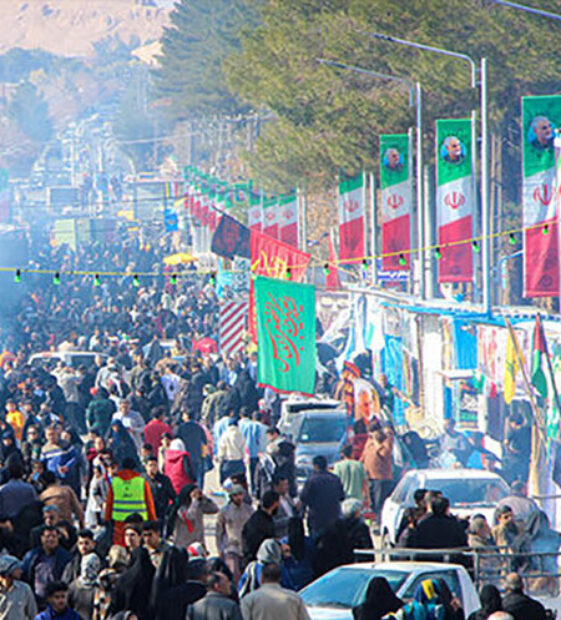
(455, 197)
(255, 212)
(273, 259)
(540, 116)
(351, 217)
(271, 217)
(288, 219)
(395, 183)
(286, 335)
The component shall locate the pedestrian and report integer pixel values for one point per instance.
(186, 524)
(63, 497)
(57, 604)
(84, 546)
(322, 495)
(132, 421)
(129, 493)
(231, 451)
(121, 444)
(518, 604)
(288, 508)
(229, 526)
(81, 591)
(273, 601)
(153, 541)
(132, 589)
(353, 476)
(157, 426)
(217, 604)
(378, 462)
(357, 530)
(255, 436)
(194, 438)
(100, 412)
(15, 494)
(178, 465)
(259, 526)
(16, 597)
(379, 601)
(162, 489)
(491, 602)
(269, 552)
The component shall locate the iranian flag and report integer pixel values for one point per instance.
(455, 198)
(288, 219)
(540, 115)
(539, 352)
(286, 335)
(395, 182)
(351, 217)
(271, 217)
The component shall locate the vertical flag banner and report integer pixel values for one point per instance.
(455, 199)
(395, 183)
(255, 212)
(540, 117)
(351, 217)
(271, 217)
(288, 219)
(286, 335)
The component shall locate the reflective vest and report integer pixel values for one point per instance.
(128, 497)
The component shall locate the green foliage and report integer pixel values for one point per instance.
(31, 113)
(329, 119)
(201, 36)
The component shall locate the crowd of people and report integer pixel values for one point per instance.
(106, 464)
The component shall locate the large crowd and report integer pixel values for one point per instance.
(106, 465)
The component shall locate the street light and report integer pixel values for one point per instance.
(485, 254)
(528, 9)
(415, 97)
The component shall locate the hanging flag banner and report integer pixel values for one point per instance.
(351, 217)
(286, 335)
(455, 198)
(255, 212)
(231, 238)
(273, 259)
(332, 282)
(288, 219)
(271, 217)
(395, 183)
(540, 116)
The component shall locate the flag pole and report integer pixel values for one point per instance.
(373, 248)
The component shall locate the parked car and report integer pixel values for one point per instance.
(470, 491)
(317, 433)
(333, 596)
(72, 358)
(295, 405)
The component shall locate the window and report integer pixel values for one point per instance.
(450, 577)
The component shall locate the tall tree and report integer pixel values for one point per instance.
(31, 112)
(202, 34)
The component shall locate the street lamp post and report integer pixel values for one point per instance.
(528, 9)
(485, 172)
(415, 98)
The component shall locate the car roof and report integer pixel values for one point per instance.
(453, 474)
(322, 413)
(405, 566)
(72, 352)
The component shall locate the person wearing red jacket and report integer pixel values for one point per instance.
(154, 430)
(177, 465)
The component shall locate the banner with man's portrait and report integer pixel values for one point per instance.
(541, 115)
(455, 198)
(395, 183)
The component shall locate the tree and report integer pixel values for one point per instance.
(201, 36)
(329, 120)
(31, 112)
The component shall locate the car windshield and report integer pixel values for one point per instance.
(345, 588)
(476, 491)
(321, 430)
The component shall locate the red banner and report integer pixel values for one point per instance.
(396, 238)
(541, 265)
(274, 259)
(456, 264)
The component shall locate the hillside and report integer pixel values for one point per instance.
(71, 27)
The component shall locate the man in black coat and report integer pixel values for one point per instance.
(516, 603)
(322, 494)
(161, 487)
(259, 526)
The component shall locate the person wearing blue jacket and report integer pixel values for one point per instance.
(57, 605)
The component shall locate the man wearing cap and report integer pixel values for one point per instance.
(229, 525)
(16, 598)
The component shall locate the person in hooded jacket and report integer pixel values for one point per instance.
(185, 522)
(177, 465)
(82, 590)
(379, 601)
(121, 443)
(269, 552)
(491, 602)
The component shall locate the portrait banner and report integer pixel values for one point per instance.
(395, 183)
(351, 217)
(540, 117)
(455, 198)
(286, 335)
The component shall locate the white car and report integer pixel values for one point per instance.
(470, 491)
(333, 596)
